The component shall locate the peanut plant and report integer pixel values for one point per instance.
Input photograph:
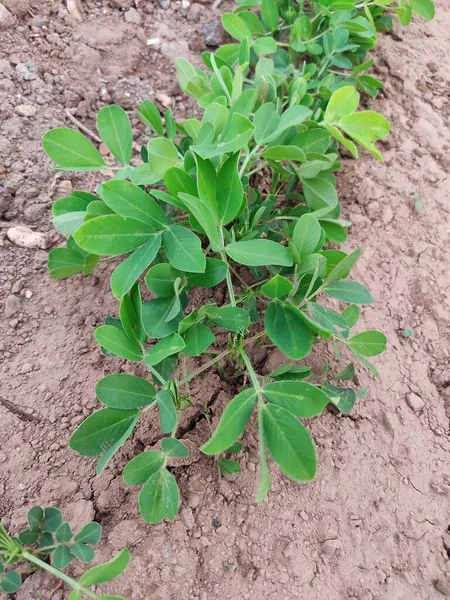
(244, 197)
(49, 537)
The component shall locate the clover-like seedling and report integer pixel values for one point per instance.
(244, 198)
(50, 544)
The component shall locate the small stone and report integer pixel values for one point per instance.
(442, 587)
(28, 294)
(194, 12)
(414, 402)
(6, 18)
(164, 4)
(164, 99)
(37, 21)
(26, 368)
(196, 43)
(132, 16)
(23, 70)
(12, 305)
(187, 518)
(27, 238)
(185, 4)
(213, 33)
(26, 110)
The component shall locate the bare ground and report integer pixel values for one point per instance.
(374, 524)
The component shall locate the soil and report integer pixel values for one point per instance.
(374, 524)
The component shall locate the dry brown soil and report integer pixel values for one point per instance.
(373, 525)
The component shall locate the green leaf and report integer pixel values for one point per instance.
(11, 582)
(229, 190)
(129, 319)
(292, 117)
(69, 222)
(113, 235)
(300, 398)
(106, 571)
(351, 315)
(129, 200)
(154, 318)
(343, 398)
(61, 557)
(71, 150)
(307, 235)
(424, 8)
(232, 423)
(114, 340)
(197, 339)
(277, 287)
(115, 130)
(52, 519)
(215, 273)
(35, 518)
(142, 466)
(160, 280)
(287, 330)
(342, 103)
(159, 498)
(101, 430)
(167, 411)
(235, 26)
(264, 45)
(166, 347)
(229, 467)
(26, 538)
(259, 252)
(343, 267)
(184, 249)
(162, 154)
(89, 533)
(313, 141)
(350, 291)
(125, 392)
(206, 215)
(235, 136)
(229, 317)
(324, 321)
(63, 533)
(368, 343)
(173, 447)
(266, 121)
(284, 153)
(269, 14)
(320, 193)
(289, 443)
(366, 127)
(63, 263)
(124, 275)
(150, 115)
(235, 448)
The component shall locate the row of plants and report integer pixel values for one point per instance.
(243, 197)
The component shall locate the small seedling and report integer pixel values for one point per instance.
(48, 543)
(279, 102)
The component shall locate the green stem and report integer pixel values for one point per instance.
(247, 159)
(74, 584)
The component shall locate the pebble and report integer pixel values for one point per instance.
(23, 70)
(37, 21)
(195, 12)
(27, 238)
(414, 402)
(12, 305)
(132, 16)
(213, 33)
(164, 99)
(6, 18)
(26, 110)
(26, 368)
(442, 587)
(164, 4)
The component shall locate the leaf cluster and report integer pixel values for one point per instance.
(244, 196)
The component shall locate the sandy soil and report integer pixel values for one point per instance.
(375, 523)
